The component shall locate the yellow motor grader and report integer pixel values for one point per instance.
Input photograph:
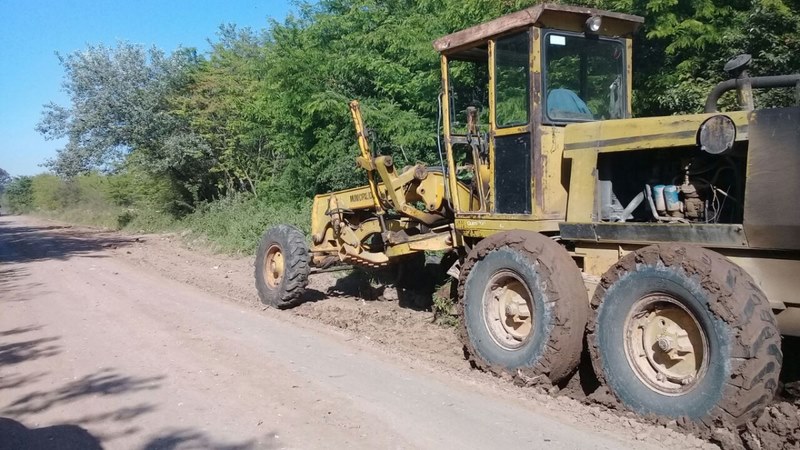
(670, 246)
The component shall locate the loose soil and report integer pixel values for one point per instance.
(372, 315)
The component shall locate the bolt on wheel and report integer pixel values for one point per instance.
(508, 306)
(665, 344)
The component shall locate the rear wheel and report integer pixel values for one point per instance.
(681, 331)
(281, 268)
(523, 307)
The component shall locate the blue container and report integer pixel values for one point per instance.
(671, 197)
(658, 198)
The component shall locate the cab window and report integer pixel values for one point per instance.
(584, 78)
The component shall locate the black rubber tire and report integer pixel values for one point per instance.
(743, 339)
(292, 244)
(560, 303)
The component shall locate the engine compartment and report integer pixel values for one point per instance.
(676, 185)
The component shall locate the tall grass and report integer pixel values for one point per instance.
(234, 224)
(128, 202)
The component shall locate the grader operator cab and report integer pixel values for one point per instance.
(670, 245)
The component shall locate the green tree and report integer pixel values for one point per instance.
(680, 52)
(18, 194)
(5, 178)
(119, 114)
(220, 105)
(118, 103)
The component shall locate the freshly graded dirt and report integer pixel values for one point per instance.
(209, 359)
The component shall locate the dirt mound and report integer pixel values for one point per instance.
(778, 427)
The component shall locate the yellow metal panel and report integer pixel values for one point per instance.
(629, 71)
(598, 258)
(536, 54)
(363, 144)
(492, 122)
(451, 165)
(511, 130)
(540, 196)
(777, 277)
(428, 242)
(582, 186)
(554, 171)
(483, 226)
(642, 133)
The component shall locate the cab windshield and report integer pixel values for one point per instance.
(584, 78)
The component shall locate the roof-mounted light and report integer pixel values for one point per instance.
(592, 24)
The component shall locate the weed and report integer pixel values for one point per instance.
(444, 311)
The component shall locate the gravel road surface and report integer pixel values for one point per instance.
(116, 341)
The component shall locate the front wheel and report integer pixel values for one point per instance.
(281, 268)
(681, 331)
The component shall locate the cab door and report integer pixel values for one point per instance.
(510, 123)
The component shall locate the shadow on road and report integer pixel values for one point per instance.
(20, 244)
(20, 330)
(21, 351)
(188, 438)
(13, 353)
(18, 381)
(105, 382)
(12, 287)
(15, 436)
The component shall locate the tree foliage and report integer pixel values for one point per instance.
(118, 104)
(18, 194)
(5, 178)
(266, 112)
(684, 44)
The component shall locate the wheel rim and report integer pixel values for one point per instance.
(273, 266)
(665, 344)
(508, 310)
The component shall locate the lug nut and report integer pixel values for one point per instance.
(512, 309)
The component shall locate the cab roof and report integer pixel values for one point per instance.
(545, 15)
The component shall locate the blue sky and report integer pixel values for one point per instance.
(32, 31)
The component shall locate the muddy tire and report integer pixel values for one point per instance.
(281, 268)
(523, 307)
(680, 331)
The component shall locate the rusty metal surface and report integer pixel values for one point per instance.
(771, 208)
(550, 15)
(707, 235)
(776, 81)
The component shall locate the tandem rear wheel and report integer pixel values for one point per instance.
(678, 330)
(523, 307)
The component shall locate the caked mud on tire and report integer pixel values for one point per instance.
(523, 307)
(679, 330)
(281, 267)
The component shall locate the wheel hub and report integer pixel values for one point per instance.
(508, 306)
(274, 266)
(665, 344)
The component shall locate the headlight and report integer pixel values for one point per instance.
(717, 135)
(593, 24)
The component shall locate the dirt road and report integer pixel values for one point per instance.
(114, 341)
